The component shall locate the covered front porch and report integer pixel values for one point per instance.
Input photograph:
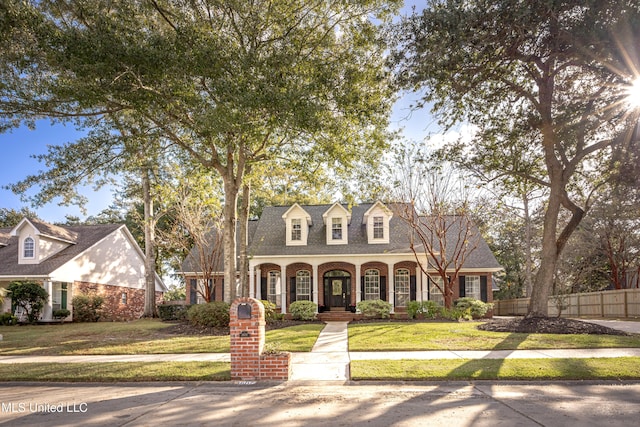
(337, 285)
(58, 298)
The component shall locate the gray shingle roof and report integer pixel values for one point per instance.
(267, 237)
(84, 236)
(270, 235)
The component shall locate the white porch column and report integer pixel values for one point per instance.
(252, 280)
(47, 310)
(392, 286)
(283, 289)
(315, 284)
(358, 283)
(425, 286)
(259, 285)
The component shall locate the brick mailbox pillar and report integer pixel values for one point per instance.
(247, 332)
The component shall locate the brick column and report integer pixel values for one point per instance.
(247, 334)
(247, 339)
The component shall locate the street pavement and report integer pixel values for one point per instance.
(477, 404)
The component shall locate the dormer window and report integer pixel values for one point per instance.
(336, 228)
(297, 223)
(336, 220)
(377, 220)
(296, 229)
(29, 248)
(378, 227)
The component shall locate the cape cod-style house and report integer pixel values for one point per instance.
(336, 256)
(71, 260)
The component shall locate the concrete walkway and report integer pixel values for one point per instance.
(328, 359)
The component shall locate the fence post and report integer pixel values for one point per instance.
(626, 308)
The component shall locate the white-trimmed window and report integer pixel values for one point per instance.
(435, 294)
(472, 287)
(378, 227)
(29, 248)
(402, 284)
(371, 284)
(123, 298)
(273, 288)
(336, 228)
(296, 229)
(303, 286)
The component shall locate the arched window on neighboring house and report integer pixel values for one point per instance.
(29, 248)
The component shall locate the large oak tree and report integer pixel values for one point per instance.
(230, 83)
(553, 72)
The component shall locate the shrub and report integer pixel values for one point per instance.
(8, 319)
(212, 314)
(86, 308)
(61, 314)
(173, 312)
(426, 309)
(30, 296)
(475, 308)
(303, 310)
(271, 314)
(455, 314)
(374, 309)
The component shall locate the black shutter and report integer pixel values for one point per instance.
(292, 289)
(193, 291)
(222, 290)
(483, 288)
(263, 288)
(383, 288)
(362, 288)
(462, 288)
(412, 288)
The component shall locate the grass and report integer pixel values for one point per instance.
(118, 371)
(143, 336)
(497, 369)
(465, 336)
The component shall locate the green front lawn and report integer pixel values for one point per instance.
(117, 371)
(145, 336)
(497, 369)
(395, 336)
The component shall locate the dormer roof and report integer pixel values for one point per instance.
(373, 207)
(47, 230)
(336, 207)
(298, 208)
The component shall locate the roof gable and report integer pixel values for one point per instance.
(336, 210)
(47, 230)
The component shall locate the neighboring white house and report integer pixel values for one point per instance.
(71, 260)
(336, 256)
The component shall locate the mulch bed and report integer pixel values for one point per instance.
(548, 325)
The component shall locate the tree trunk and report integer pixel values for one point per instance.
(229, 238)
(243, 261)
(149, 248)
(528, 273)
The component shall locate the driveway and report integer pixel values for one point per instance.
(322, 404)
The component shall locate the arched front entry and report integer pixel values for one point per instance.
(337, 289)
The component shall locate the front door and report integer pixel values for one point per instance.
(338, 292)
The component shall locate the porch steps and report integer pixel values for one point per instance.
(338, 316)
